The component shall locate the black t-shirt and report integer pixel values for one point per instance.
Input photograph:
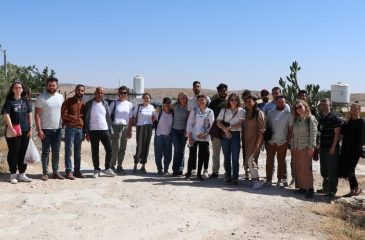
(18, 110)
(327, 127)
(216, 105)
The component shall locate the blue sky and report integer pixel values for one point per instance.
(246, 44)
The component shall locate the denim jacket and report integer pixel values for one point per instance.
(88, 106)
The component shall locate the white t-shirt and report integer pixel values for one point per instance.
(200, 122)
(51, 110)
(232, 117)
(165, 123)
(97, 117)
(123, 111)
(144, 114)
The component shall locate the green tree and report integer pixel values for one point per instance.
(290, 90)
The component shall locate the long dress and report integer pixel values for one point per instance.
(353, 133)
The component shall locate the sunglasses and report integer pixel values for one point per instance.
(299, 107)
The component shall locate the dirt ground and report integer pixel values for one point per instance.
(149, 206)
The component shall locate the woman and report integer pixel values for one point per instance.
(254, 127)
(303, 143)
(178, 133)
(230, 120)
(199, 123)
(143, 116)
(353, 132)
(163, 141)
(17, 115)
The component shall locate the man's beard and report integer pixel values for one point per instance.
(51, 91)
(280, 108)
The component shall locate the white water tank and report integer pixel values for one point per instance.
(340, 93)
(138, 86)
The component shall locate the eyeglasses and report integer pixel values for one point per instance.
(233, 100)
(123, 93)
(299, 107)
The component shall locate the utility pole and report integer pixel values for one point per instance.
(5, 68)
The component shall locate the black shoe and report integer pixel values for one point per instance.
(228, 180)
(159, 172)
(322, 191)
(113, 168)
(187, 177)
(174, 174)
(120, 169)
(200, 177)
(143, 170)
(235, 182)
(180, 173)
(309, 193)
(331, 195)
(214, 175)
(299, 191)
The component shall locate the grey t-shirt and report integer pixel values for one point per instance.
(181, 115)
(51, 110)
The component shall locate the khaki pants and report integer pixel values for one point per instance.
(216, 146)
(272, 150)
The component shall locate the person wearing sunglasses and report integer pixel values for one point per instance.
(121, 114)
(230, 120)
(303, 142)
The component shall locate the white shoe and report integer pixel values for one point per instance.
(205, 173)
(96, 174)
(23, 178)
(193, 172)
(257, 184)
(109, 172)
(13, 179)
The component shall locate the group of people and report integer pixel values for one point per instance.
(194, 122)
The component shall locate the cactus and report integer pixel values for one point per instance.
(290, 90)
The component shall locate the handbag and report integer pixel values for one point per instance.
(10, 133)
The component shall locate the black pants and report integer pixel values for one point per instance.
(17, 147)
(352, 180)
(203, 156)
(104, 137)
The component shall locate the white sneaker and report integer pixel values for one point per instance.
(13, 179)
(205, 173)
(96, 174)
(109, 172)
(23, 178)
(193, 172)
(257, 184)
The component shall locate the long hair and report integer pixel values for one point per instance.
(255, 109)
(228, 104)
(306, 109)
(10, 95)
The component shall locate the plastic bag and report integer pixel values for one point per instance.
(32, 155)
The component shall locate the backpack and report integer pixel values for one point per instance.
(155, 123)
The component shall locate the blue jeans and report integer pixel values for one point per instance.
(179, 142)
(328, 164)
(163, 149)
(231, 150)
(73, 136)
(52, 140)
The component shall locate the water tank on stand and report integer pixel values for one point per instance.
(138, 86)
(340, 93)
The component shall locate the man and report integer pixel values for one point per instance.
(302, 95)
(275, 92)
(121, 112)
(48, 123)
(72, 113)
(264, 97)
(278, 120)
(98, 128)
(329, 127)
(245, 93)
(216, 105)
(193, 103)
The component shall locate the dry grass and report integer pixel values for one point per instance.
(3, 153)
(343, 219)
